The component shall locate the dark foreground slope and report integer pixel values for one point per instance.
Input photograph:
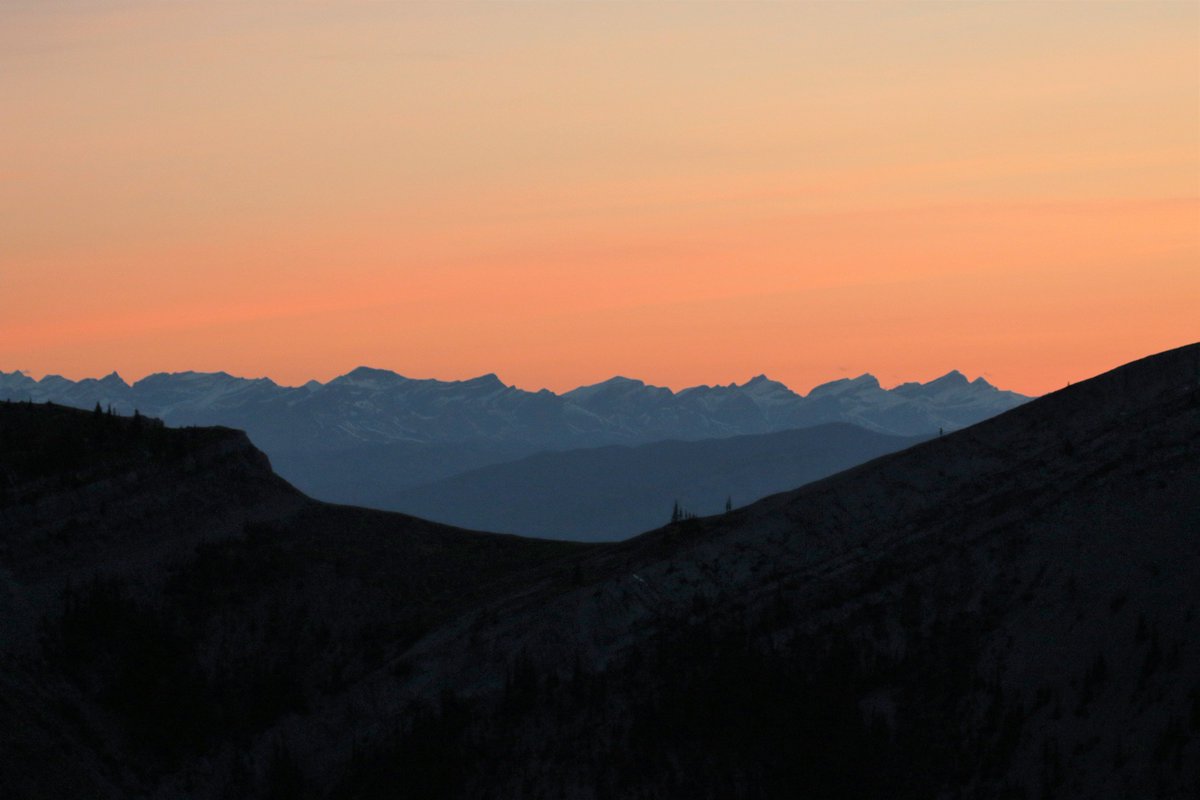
(165, 598)
(610, 493)
(1008, 611)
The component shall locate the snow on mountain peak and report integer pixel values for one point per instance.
(379, 405)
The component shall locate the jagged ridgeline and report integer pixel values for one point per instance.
(1004, 611)
(370, 435)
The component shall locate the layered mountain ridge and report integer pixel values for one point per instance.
(375, 405)
(364, 436)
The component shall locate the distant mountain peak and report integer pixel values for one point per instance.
(190, 376)
(615, 380)
(370, 372)
(766, 390)
(54, 381)
(617, 384)
(375, 405)
(866, 381)
(951, 378)
(489, 380)
(367, 377)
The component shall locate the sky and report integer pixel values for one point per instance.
(559, 192)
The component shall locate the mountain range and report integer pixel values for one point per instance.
(1003, 611)
(363, 437)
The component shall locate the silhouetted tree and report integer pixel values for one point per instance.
(728, 504)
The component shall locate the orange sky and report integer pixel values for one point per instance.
(687, 193)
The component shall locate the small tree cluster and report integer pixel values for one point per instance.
(679, 513)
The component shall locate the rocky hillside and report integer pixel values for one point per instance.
(1008, 611)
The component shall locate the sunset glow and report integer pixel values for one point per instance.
(685, 193)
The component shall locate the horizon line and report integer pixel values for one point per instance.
(30, 374)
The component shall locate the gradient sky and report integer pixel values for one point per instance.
(560, 192)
